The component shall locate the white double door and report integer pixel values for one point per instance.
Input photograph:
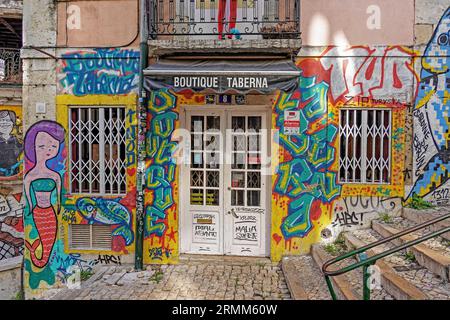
(224, 184)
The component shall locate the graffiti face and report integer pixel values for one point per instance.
(10, 146)
(6, 123)
(47, 147)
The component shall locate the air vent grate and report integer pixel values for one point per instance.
(85, 236)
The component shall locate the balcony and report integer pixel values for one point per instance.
(10, 66)
(223, 19)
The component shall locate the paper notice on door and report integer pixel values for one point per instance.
(246, 226)
(204, 228)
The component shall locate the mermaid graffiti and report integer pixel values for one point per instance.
(42, 185)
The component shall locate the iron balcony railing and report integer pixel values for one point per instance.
(10, 66)
(224, 19)
(365, 261)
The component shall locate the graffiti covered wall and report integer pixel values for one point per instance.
(11, 205)
(431, 119)
(308, 201)
(87, 79)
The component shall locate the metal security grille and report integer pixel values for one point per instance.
(97, 150)
(87, 236)
(365, 144)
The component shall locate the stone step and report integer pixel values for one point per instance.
(349, 286)
(437, 260)
(417, 282)
(304, 279)
(395, 285)
(421, 216)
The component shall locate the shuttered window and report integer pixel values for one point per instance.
(87, 236)
(365, 144)
(97, 150)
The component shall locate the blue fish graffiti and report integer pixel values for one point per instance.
(108, 212)
(432, 100)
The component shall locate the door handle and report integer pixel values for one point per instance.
(229, 188)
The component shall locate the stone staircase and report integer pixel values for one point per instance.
(421, 272)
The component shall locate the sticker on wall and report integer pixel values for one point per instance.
(210, 99)
(225, 98)
(291, 122)
(240, 99)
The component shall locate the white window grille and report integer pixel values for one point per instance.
(88, 236)
(97, 150)
(365, 146)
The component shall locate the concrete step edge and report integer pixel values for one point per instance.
(425, 256)
(395, 285)
(419, 216)
(295, 287)
(340, 283)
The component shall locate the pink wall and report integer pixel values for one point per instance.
(335, 22)
(103, 23)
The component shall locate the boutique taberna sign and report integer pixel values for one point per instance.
(221, 76)
(238, 83)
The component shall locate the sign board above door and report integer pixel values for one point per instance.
(223, 76)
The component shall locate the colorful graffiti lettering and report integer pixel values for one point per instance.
(159, 253)
(160, 168)
(432, 136)
(109, 212)
(101, 71)
(44, 142)
(307, 177)
(373, 73)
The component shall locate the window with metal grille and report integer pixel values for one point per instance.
(97, 150)
(88, 236)
(365, 146)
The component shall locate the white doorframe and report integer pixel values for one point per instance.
(185, 226)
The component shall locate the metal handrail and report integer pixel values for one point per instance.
(367, 262)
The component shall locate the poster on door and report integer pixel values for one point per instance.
(246, 225)
(291, 123)
(205, 228)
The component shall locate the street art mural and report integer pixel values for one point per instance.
(114, 210)
(307, 198)
(95, 78)
(11, 204)
(10, 144)
(305, 178)
(431, 119)
(161, 189)
(44, 166)
(99, 71)
(109, 212)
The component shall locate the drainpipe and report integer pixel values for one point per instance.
(141, 116)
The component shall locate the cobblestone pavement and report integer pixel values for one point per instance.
(195, 277)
